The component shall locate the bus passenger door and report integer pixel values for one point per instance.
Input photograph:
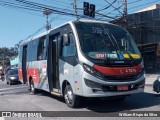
(52, 62)
(24, 63)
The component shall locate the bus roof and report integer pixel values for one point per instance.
(69, 22)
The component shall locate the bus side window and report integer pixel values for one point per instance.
(69, 50)
(41, 48)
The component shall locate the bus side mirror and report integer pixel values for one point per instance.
(66, 41)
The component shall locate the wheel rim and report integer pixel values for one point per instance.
(69, 96)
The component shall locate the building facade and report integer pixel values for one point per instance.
(144, 26)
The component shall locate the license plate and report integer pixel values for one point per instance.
(122, 87)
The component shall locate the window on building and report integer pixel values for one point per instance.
(156, 13)
(136, 18)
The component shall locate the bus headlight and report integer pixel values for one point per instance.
(89, 69)
(92, 71)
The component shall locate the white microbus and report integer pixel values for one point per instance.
(83, 58)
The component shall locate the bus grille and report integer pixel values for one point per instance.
(121, 78)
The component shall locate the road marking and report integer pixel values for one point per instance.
(7, 89)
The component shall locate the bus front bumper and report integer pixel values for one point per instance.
(92, 88)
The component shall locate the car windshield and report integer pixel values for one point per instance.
(100, 41)
(13, 72)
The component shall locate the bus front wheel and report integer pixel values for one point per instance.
(71, 99)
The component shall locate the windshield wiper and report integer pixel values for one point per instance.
(123, 50)
(105, 58)
(111, 41)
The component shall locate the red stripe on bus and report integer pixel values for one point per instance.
(117, 70)
(33, 72)
(20, 73)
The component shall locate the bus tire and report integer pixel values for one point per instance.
(32, 88)
(71, 99)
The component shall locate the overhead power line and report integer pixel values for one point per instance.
(37, 7)
(14, 5)
(57, 2)
(35, 33)
(114, 10)
(34, 7)
(134, 1)
(41, 6)
(110, 4)
(114, 7)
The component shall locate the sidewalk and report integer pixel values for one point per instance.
(150, 78)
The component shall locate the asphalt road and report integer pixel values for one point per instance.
(18, 98)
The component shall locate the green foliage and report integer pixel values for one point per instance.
(6, 54)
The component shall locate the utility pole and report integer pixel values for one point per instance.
(3, 52)
(125, 14)
(3, 58)
(75, 8)
(47, 12)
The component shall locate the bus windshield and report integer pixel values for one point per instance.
(106, 41)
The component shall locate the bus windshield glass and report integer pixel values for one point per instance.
(106, 41)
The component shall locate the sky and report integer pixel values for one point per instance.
(17, 24)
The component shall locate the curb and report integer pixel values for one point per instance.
(148, 84)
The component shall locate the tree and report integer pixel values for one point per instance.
(16, 46)
(6, 54)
